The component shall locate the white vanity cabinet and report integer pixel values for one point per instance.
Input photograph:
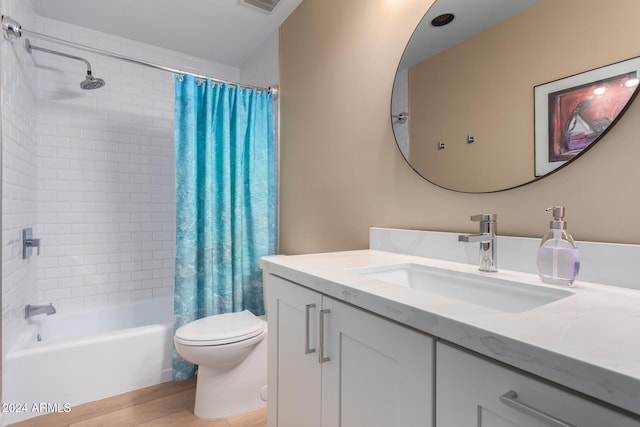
(474, 392)
(331, 364)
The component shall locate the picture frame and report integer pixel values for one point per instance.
(572, 113)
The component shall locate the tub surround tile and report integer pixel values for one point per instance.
(19, 177)
(587, 342)
(103, 192)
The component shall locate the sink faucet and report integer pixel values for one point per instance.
(487, 239)
(33, 310)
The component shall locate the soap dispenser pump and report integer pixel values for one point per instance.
(558, 260)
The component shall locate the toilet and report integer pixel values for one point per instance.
(231, 353)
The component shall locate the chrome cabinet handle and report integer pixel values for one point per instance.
(510, 399)
(308, 350)
(321, 356)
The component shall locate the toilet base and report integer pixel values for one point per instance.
(223, 393)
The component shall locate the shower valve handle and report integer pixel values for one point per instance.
(29, 242)
(33, 243)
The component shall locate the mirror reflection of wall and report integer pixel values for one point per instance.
(483, 87)
(399, 105)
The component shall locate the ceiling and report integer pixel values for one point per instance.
(229, 32)
(224, 31)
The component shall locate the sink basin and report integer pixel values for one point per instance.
(479, 289)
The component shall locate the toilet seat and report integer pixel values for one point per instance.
(220, 329)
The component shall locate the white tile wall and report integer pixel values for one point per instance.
(19, 183)
(106, 194)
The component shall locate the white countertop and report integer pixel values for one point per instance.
(589, 341)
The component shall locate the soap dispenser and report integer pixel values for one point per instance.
(558, 261)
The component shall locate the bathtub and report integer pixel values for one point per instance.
(65, 360)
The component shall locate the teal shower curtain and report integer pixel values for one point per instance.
(225, 200)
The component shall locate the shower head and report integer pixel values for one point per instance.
(90, 82)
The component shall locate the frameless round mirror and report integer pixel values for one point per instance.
(511, 90)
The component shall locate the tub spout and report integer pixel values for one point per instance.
(32, 310)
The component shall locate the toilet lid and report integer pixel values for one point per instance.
(221, 329)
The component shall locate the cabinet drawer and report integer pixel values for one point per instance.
(471, 392)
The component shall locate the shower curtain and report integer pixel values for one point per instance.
(225, 200)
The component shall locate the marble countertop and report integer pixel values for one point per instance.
(589, 341)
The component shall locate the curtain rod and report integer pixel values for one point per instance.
(13, 30)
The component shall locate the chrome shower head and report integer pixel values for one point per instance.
(91, 82)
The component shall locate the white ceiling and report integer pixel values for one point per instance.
(223, 31)
(229, 32)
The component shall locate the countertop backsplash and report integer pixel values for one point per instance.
(612, 264)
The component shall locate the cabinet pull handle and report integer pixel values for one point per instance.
(308, 350)
(321, 356)
(510, 399)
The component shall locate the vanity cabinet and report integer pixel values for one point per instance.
(331, 364)
(472, 391)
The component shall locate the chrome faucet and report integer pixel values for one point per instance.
(33, 310)
(487, 239)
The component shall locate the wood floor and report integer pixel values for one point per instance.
(164, 405)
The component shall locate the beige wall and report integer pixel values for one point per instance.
(341, 172)
(483, 87)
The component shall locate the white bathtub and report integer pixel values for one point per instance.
(88, 356)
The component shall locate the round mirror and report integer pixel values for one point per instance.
(509, 91)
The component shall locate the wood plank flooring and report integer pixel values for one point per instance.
(164, 405)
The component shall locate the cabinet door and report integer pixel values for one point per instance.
(378, 373)
(294, 371)
(469, 390)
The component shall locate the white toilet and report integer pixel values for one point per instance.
(231, 353)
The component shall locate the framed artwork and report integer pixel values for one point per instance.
(574, 112)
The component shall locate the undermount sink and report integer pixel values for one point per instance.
(479, 289)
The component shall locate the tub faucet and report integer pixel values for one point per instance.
(32, 310)
(487, 239)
